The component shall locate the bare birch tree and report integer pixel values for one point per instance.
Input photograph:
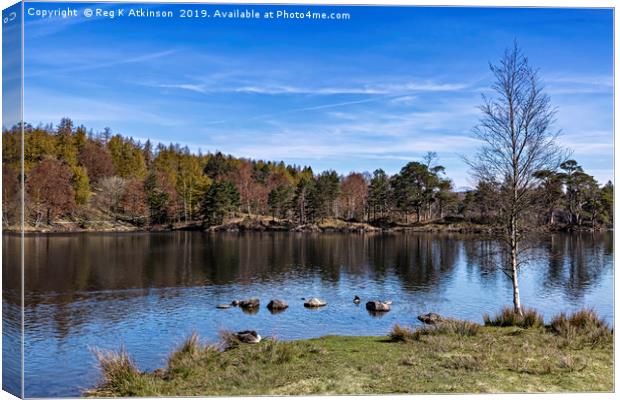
(518, 139)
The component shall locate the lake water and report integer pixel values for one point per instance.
(147, 291)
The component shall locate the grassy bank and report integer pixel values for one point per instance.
(568, 355)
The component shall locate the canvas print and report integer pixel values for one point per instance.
(240, 199)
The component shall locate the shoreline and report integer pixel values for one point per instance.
(458, 357)
(262, 224)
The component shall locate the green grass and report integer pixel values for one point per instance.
(459, 357)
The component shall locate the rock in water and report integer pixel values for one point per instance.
(377, 306)
(235, 303)
(357, 300)
(430, 318)
(223, 306)
(248, 337)
(276, 304)
(313, 302)
(250, 303)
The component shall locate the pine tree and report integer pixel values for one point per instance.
(279, 199)
(221, 199)
(379, 193)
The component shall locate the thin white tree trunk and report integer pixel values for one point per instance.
(516, 298)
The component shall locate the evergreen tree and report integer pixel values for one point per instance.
(301, 200)
(279, 199)
(607, 203)
(217, 166)
(410, 190)
(221, 199)
(550, 188)
(157, 199)
(322, 195)
(379, 193)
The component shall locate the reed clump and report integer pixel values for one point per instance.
(582, 327)
(446, 327)
(529, 318)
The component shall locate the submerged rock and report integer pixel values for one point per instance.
(357, 300)
(378, 306)
(250, 303)
(223, 306)
(313, 302)
(248, 337)
(430, 318)
(276, 304)
(250, 310)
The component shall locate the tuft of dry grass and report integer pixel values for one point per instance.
(446, 327)
(508, 317)
(118, 371)
(466, 362)
(458, 327)
(115, 364)
(401, 334)
(582, 327)
(187, 352)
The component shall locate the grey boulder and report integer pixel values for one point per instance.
(430, 318)
(250, 303)
(313, 302)
(382, 306)
(276, 304)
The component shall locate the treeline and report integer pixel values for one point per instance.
(74, 174)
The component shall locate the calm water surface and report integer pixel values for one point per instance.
(147, 291)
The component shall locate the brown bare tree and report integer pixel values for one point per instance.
(353, 196)
(517, 141)
(97, 161)
(49, 190)
(253, 195)
(133, 201)
(11, 188)
(112, 189)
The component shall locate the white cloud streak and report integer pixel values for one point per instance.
(279, 89)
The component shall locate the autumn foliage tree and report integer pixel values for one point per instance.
(353, 196)
(97, 161)
(49, 190)
(133, 202)
(11, 188)
(107, 176)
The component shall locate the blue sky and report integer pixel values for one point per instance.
(375, 91)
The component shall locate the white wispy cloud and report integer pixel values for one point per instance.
(42, 106)
(579, 84)
(595, 80)
(276, 89)
(98, 60)
(404, 100)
